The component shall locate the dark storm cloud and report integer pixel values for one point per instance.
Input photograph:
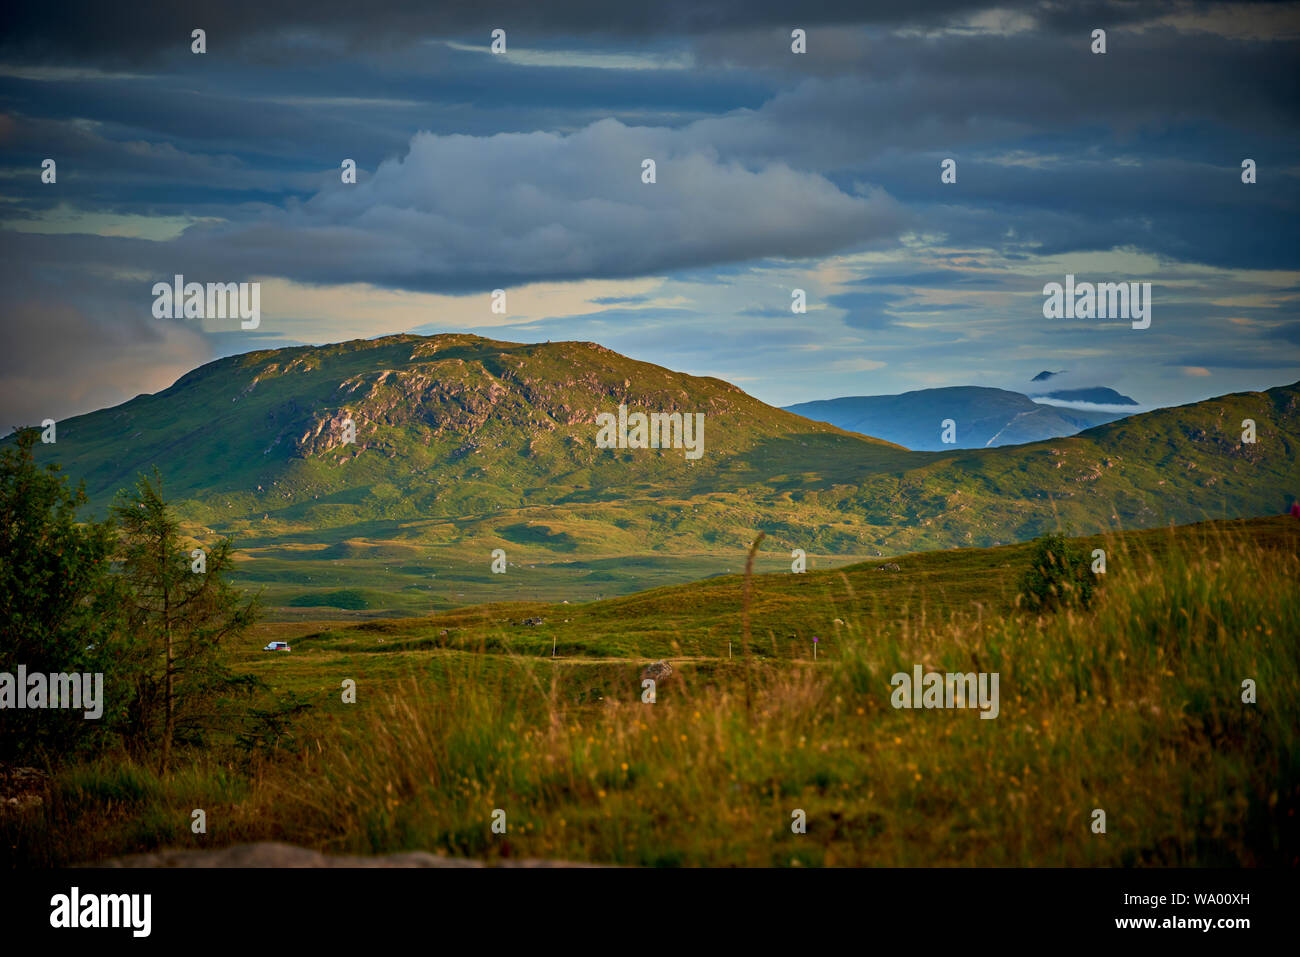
(477, 172)
(972, 97)
(73, 342)
(977, 87)
(86, 29)
(1288, 332)
(464, 213)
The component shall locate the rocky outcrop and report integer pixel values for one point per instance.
(658, 672)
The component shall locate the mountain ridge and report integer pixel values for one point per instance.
(466, 444)
(1095, 395)
(982, 417)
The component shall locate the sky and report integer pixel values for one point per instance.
(775, 171)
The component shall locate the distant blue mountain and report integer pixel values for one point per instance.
(984, 417)
(1097, 396)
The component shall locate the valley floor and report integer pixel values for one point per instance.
(1133, 708)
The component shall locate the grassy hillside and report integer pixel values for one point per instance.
(465, 445)
(1133, 707)
(700, 619)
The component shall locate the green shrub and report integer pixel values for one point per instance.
(1059, 576)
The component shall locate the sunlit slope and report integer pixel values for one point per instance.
(465, 443)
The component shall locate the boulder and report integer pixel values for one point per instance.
(658, 672)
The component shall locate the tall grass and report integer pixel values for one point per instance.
(1133, 707)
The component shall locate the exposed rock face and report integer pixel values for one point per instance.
(658, 672)
(459, 385)
(273, 854)
(890, 567)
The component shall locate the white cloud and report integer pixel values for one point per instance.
(467, 212)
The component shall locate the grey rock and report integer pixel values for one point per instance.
(658, 672)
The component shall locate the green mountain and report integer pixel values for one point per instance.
(465, 444)
(983, 417)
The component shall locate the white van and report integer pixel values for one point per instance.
(277, 646)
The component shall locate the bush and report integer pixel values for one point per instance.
(120, 599)
(59, 605)
(1059, 576)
